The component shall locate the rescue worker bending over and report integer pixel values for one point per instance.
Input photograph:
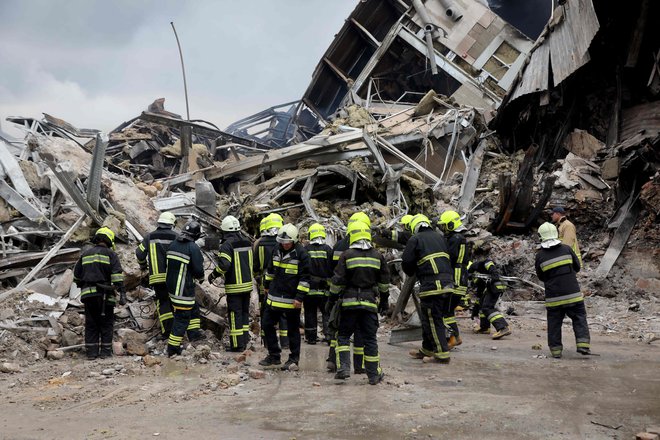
(358, 343)
(263, 254)
(401, 234)
(426, 256)
(361, 284)
(98, 273)
(320, 270)
(556, 265)
(234, 263)
(488, 292)
(185, 264)
(451, 225)
(152, 255)
(287, 283)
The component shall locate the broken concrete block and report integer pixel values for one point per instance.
(136, 348)
(133, 341)
(8, 367)
(582, 144)
(205, 196)
(62, 283)
(240, 358)
(55, 355)
(646, 436)
(233, 368)
(610, 168)
(41, 285)
(118, 348)
(76, 319)
(229, 380)
(70, 338)
(256, 374)
(150, 361)
(108, 372)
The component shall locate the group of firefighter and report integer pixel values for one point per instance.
(348, 284)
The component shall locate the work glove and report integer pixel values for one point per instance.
(383, 304)
(212, 276)
(122, 298)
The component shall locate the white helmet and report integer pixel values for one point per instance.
(167, 218)
(230, 224)
(287, 234)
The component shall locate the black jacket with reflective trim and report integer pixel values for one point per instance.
(487, 267)
(287, 275)
(320, 265)
(339, 249)
(557, 267)
(185, 264)
(263, 253)
(427, 256)
(361, 277)
(458, 254)
(152, 253)
(234, 262)
(98, 265)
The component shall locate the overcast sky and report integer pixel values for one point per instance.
(97, 63)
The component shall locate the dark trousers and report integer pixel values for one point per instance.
(185, 320)
(358, 349)
(312, 305)
(434, 339)
(489, 314)
(273, 316)
(99, 325)
(282, 325)
(578, 314)
(449, 314)
(238, 316)
(164, 309)
(367, 323)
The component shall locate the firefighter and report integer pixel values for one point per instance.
(263, 253)
(320, 270)
(152, 256)
(358, 343)
(401, 234)
(451, 226)
(234, 263)
(426, 256)
(361, 285)
(185, 265)
(98, 274)
(556, 265)
(488, 292)
(286, 283)
(566, 230)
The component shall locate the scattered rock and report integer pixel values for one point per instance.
(118, 348)
(137, 348)
(646, 436)
(428, 405)
(537, 347)
(256, 374)
(240, 358)
(93, 374)
(55, 355)
(233, 368)
(8, 367)
(316, 384)
(493, 348)
(229, 380)
(70, 338)
(108, 372)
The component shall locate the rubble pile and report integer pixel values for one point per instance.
(375, 148)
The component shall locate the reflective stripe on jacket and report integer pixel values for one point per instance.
(98, 265)
(152, 253)
(234, 263)
(458, 255)
(320, 268)
(557, 267)
(184, 265)
(426, 255)
(360, 277)
(287, 277)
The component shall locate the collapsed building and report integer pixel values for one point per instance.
(415, 107)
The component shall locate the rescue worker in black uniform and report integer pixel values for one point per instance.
(98, 274)
(185, 265)
(427, 256)
(320, 271)
(556, 265)
(401, 234)
(361, 285)
(287, 283)
(358, 342)
(451, 226)
(234, 263)
(152, 255)
(488, 292)
(263, 254)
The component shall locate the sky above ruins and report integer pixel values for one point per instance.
(97, 63)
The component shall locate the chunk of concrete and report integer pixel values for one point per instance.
(256, 374)
(8, 367)
(646, 436)
(55, 355)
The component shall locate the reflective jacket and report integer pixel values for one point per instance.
(339, 249)
(98, 266)
(152, 253)
(557, 267)
(458, 255)
(426, 255)
(287, 277)
(361, 279)
(234, 263)
(487, 267)
(320, 268)
(262, 252)
(185, 264)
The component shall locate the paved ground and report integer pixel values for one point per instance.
(485, 393)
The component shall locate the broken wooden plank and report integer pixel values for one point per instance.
(618, 242)
(471, 177)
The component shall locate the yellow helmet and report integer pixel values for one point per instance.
(358, 230)
(263, 224)
(106, 235)
(450, 221)
(360, 217)
(405, 221)
(316, 230)
(274, 220)
(548, 231)
(417, 221)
